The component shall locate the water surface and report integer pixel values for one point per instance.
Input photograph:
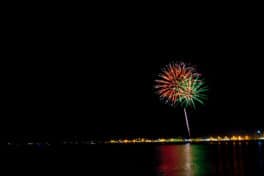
(223, 159)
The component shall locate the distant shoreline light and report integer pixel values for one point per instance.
(211, 139)
(182, 140)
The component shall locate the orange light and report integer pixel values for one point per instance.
(234, 138)
(226, 138)
(246, 138)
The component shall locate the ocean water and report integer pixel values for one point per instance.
(221, 159)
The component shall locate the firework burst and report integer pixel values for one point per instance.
(180, 84)
(171, 85)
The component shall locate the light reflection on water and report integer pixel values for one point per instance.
(236, 159)
(175, 159)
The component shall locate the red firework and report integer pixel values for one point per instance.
(167, 85)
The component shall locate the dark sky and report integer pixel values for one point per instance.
(96, 84)
(111, 94)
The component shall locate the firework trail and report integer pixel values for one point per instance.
(180, 84)
(187, 123)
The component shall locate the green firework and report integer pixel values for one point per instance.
(192, 90)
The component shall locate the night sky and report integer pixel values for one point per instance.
(111, 94)
(63, 85)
